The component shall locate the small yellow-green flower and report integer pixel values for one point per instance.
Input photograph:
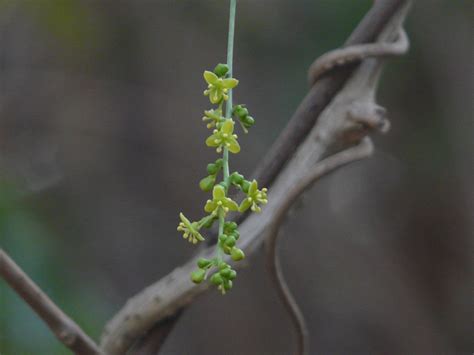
(254, 198)
(190, 230)
(220, 200)
(213, 117)
(218, 88)
(224, 137)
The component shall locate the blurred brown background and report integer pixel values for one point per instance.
(101, 146)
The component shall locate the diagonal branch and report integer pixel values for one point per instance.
(322, 92)
(63, 327)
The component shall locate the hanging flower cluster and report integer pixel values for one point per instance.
(220, 272)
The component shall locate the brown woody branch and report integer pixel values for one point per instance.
(63, 327)
(322, 92)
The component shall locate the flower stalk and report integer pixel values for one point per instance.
(220, 85)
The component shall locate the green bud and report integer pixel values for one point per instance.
(212, 169)
(237, 178)
(237, 254)
(235, 234)
(221, 70)
(245, 186)
(231, 225)
(223, 265)
(198, 275)
(217, 279)
(222, 238)
(225, 273)
(227, 285)
(203, 263)
(241, 111)
(249, 121)
(227, 250)
(232, 275)
(207, 183)
(230, 241)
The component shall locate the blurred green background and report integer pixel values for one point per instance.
(101, 146)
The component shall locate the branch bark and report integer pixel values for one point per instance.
(63, 327)
(155, 338)
(322, 92)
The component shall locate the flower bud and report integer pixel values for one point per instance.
(241, 111)
(231, 225)
(221, 70)
(223, 238)
(216, 279)
(249, 121)
(225, 273)
(235, 234)
(237, 254)
(230, 241)
(232, 275)
(227, 285)
(207, 183)
(203, 263)
(212, 169)
(223, 265)
(237, 178)
(227, 250)
(198, 275)
(245, 186)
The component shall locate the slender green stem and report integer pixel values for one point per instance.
(228, 109)
(230, 60)
(230, 50)
(221, 231)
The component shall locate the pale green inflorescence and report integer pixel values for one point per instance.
(220, 203)
(255, 197)
(190, 230)
(219, 91)
(224, 138)
(218, 88)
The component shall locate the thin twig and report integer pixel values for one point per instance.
(63, 327)
(324, 167)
